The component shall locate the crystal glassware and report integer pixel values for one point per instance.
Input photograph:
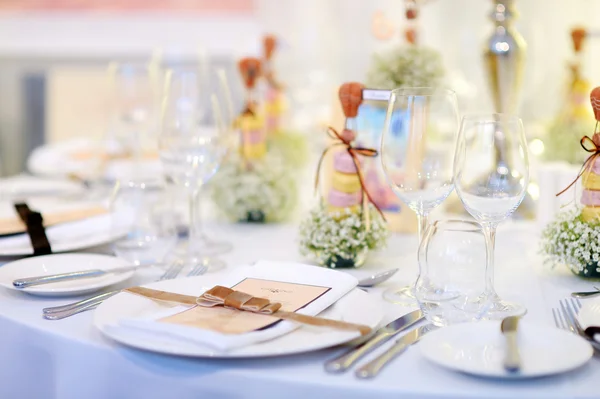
(134, 95)
(451, 287)
(142, 216)
(491, 186)
(190, 151)
(416, 153)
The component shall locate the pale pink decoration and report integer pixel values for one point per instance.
(596, 166)
(348, 135)
(254, 137)
(590, 198)
(343, 200)
(343, 162)
(271, 95)
(272, 123)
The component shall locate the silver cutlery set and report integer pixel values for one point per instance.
(381, 336)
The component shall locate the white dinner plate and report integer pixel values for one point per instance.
(19, 187)
(478, 349)
(356, 307)
(63, 263)
(65, 237)
(56, 160)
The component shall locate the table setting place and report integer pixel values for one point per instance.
(110, 287)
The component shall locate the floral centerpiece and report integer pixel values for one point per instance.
(291, 144)
(406, 66)
(573, 239)
(574, 119)
(255, 184)
(346, 224)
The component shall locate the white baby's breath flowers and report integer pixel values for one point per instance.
(571, 241)
(266, 187)
(330, 238)
(406, 66)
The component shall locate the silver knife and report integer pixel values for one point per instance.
(373, 368)
(55, 278)
(384, 334)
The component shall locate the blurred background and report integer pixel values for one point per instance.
(54, 54)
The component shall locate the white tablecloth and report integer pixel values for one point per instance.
(69, 359)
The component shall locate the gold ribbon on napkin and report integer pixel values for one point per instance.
(223, 296)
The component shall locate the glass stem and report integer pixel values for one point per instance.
(489, 230)
(195, 231)
(422, 223)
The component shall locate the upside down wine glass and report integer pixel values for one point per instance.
(190, 152)
(417, 150)
(491, 186)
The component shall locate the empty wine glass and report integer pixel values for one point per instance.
(133, 125)
(417, 153)
(142, 218)
(451, 287)
(189, 151)
(491, 174)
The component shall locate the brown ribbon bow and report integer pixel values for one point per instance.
(223, 296)
(354, 152)
(590, 145)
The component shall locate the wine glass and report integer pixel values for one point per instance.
(189, 151)
(142, 218)
(417, 153)
(491, 174)
(134, 120)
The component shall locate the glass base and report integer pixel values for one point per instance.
(402, 295)
(206, 247)
(499, 309)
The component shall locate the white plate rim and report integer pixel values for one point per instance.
(47, 290)
(437, 360)
(98, 239)
(139, 344)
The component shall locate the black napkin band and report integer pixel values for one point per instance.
(35, 229)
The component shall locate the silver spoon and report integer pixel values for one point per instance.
(376, 278)
(586, 294)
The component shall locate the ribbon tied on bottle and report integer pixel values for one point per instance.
(591, 145)
(345, 140)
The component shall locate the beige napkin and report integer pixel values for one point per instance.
(14, 225)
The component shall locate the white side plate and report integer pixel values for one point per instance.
(478, 349)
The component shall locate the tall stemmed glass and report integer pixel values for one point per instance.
(492, 187)
(134, 100)
(417, 153)
(190, 153)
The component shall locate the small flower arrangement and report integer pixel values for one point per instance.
(292, 145)
(406, 66)
(341, 240)
(263, 192)
(573, 242)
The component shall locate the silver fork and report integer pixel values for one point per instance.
(61, 312)
(566, 318)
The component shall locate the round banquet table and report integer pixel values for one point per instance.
(70, 359)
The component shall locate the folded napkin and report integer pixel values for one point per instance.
(297, 280)
(14, 225)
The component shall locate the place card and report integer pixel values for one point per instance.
(232, 321)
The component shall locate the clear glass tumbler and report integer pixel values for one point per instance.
(451, 287)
